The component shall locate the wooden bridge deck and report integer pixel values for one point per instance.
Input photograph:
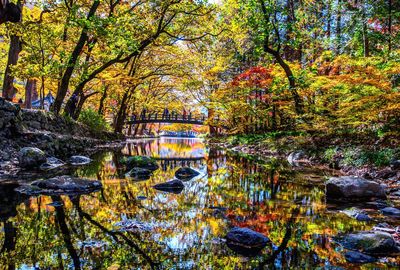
(170, 119)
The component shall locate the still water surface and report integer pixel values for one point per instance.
(130, 225)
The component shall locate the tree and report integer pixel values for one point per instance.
(11, 13)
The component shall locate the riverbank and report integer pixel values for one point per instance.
(56, 136)
(361, 155)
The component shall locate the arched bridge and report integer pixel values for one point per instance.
(167, 118)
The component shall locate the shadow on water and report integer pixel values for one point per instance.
(131, 225)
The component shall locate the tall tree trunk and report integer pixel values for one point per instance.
(390, 7)
(79, 106)
(298, 102)
(72, 61)
(30, 89)
(288, 51)
(13, 55)
(338, 26)
(329, 21)
(121, 115)
(365, 30)
(102, 99)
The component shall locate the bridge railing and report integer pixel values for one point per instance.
(166, 117)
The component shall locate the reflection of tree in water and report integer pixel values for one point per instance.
(165, 147)
(8, 203)
(185, 228)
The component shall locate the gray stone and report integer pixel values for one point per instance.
(357, 214)
(296, 157)
(173, 186)
(186, 173)
(51, 164)
(31, 157)
(60, 185)
(139, 174)
(246, 241)
(370, 242)
(391, 211)
(353, 188)
(358, 257)
(395, 164)
(79, 160)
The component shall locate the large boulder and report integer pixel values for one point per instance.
(139, 174)
(370, 242)
(353, 188)
(139, 162)
(173, 186)
(60, 185)
(186, 173)
(246, 241)
(79, 160)
(31, 157)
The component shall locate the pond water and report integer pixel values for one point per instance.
(130, 225)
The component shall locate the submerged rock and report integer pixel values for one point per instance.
(358, 257)
(246, 241)
(79, 160)
(60, 185)
(391, 211)
(31, 157)
(51, 163)
(353, 188)
(370, 242)
(139, 174)
(173, 186)
(186, 173)
(140, 162)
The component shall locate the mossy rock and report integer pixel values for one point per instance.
(139, 162)
(370, 242)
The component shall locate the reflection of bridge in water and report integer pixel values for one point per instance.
(173, 162)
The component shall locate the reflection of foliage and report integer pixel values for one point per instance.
(185, 227)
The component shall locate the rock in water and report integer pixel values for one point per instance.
(31, 157)
(353, 188)
(246, 241)
(79, 160)
(358, 214)
(186, 173)
(173, 186)
(358, 257)
(140, 162)
(295, 158)
(60, 185)
(370, 242)
(391, 211)
(51, 163)
(139, 174)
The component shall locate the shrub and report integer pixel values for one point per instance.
(93, 120)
